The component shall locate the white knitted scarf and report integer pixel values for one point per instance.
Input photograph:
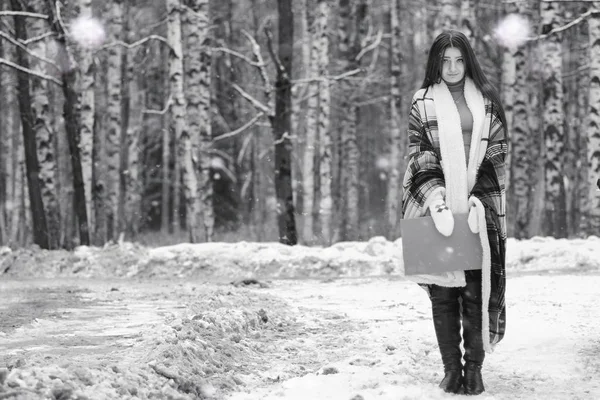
(460, 175)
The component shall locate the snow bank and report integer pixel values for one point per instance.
(551, 255)
(207, 349)
(375, 257)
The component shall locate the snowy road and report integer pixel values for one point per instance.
(551, 351)
(365, 338)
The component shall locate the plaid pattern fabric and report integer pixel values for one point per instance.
(424, 174)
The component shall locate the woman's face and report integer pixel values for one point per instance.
(453, 65)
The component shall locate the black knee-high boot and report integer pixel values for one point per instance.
(446, 320)
(473, 341)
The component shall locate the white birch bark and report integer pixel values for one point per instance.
(113, 138)
(87, 114)
(14, 207)
(324, 133)
(13, 145)
(185, 150)
(298, 93)
(448, 17)
(4, 156)
(593, 123)
(6, 137)
(468, 20)
(420, 44)
(520, 134)
(44, 132)
(198, 76)
(553, 120)
(23, 221)
(397, 138)
(507, 88)
(165, 176)
(348, 141)
(132, 174)
(311, 134)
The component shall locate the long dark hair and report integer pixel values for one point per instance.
(433, 71)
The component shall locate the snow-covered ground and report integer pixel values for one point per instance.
(333, 323)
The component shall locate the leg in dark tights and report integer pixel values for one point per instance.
(446, 320)
(473, 341)
(471, 302)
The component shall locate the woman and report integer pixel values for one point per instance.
(457, 149)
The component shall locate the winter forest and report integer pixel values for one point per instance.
(163, 121)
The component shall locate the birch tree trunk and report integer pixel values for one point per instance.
(553, 121)
(583, 89)
(185, 146)
(113, 111)
(71, 113)
(299, 91)
(448, 17)
(468, 20)
(323, 123)
(126, 77)
(572, 130)
(519, 189)
(593, 123)
(12, 144)
(198, 74)
(5, 152)
(6, 136)
(397, 141)
(282, 125)
(99, 167)
(507, 88)
(166, 176)
(317, 30)
(40, 228)
(258, 189)
(419, 45)
(344, 30)
(134, 100)
(24, 232)
(348, 140)
(44, 130)
(88, 110)
(536, 166)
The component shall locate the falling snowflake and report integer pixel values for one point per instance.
(513, 31)
(382, 163)
(88, 32)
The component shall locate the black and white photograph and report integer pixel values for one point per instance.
(299, 199)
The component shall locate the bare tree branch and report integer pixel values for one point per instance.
(242, 153)
(59, 16)
(38, 38)
(25, 49)
(238, 55)
(574, 22)
(370, 47)
(268, 88)
(30, 72)
(135, 44)
(272, 51)
(284, 137)
(375, 100)
(163, 111)
(345, 75)
(22, 13)
(255, 102)
(240, 129)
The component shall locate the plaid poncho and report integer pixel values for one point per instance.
(478, 178)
